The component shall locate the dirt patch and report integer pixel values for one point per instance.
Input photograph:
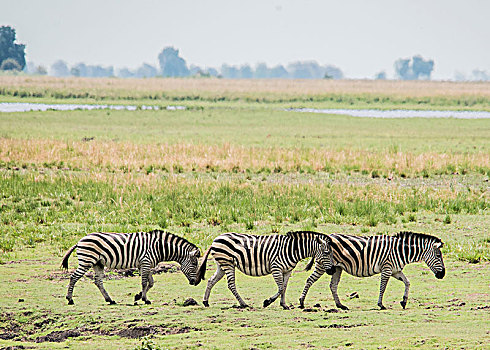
(143, 331)
(336, 325)
(58, 336)
(481, 307)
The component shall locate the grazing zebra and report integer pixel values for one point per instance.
(263, 255)
(388, 255)
(143, 250)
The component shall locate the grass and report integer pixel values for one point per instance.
(236, 161)
(449, 310)
(294, 93)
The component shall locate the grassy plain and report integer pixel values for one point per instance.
(236, 161)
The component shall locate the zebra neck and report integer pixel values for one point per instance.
(410, 251)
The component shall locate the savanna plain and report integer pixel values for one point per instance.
(236, 159)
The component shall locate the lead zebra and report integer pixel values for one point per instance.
(388, 255)
(263, 255)
(143, 250)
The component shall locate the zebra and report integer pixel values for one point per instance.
(388, 255)
(257, 255)
(143, 250)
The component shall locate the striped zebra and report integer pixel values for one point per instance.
(263, 255)
(388, 255)
(143, 250)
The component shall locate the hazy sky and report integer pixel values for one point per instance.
(362, 37)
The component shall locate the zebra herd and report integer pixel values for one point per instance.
(257, 255)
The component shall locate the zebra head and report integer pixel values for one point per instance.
(324, 255)
(189, 266)
(433, 258)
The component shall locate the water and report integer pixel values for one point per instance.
(27, 107)
(397, 113)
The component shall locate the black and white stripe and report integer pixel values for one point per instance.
(388, 255)
(263, 255)
(143, 250)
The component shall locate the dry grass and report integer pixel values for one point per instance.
(180, 157)
(115, 86)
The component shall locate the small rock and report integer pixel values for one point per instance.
(190, 302)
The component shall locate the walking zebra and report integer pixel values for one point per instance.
(388, 255)
(143, 250)
(263, 255)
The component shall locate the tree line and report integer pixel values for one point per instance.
(171, 64)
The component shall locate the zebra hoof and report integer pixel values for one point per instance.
(285, 307)
(137, 297)
(111, 302)
(342, 307)
(403, 304)
(147, 302)
(382, 307)
(301, 306)
(205, 303)
(267, 302)
(70, 302)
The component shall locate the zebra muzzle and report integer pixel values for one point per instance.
(441, 274)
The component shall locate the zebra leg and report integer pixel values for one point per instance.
(145, 277)
(317, 273)
(211, 282)
(79, 272)
(334, 283)
(401, 277)
(385, 276)
(285, 284)
(279, 278)
(99, 274)
(150, 284)
(230, 276)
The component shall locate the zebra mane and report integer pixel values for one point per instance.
(298, 234)
(407, 234)
(157, 231)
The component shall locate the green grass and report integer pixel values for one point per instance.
(440, 313)
(253, 127)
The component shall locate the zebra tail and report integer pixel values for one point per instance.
(201, 273)
(64, 263)
(310, 264)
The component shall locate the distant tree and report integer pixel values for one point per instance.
(480, 75)
(278, 72)
(10, 64)
(212, 72)
(171, 64)
(195, 71)
(60, 69)
(125, 73)
(41, 70)
(245, 72)
(146, 71)
(333, 72)
(422, 69)
(261, 71)
(414, 68)
(229, 72)
(380, 76)
(10, 50)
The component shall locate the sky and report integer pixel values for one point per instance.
(361, 37)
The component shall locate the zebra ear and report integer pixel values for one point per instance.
(196, 253)
(439, 245)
